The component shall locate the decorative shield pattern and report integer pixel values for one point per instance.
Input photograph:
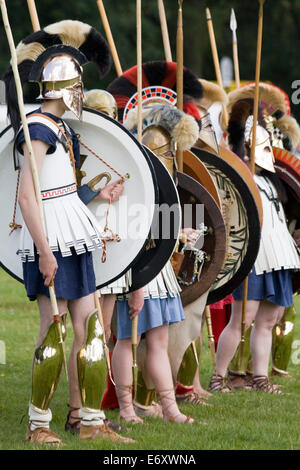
(199, 206)
(242, 225)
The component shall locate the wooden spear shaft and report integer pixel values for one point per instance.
(33, 15)
(134, 324)
(257, 78)
(109, 37)
(215, 56)
(164, 30)
(35, 175)
(252, 157)
(179, 75)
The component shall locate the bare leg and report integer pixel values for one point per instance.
(122, 370)
(107, 303)
(46, 315)
(159, 368)
(231, 335)
(261, 337)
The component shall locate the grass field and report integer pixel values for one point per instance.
(239, 421)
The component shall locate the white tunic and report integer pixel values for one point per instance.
(278, 249)
(68, 222)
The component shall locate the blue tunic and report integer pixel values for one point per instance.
(75, 276)
(276, 287)
(155, 312)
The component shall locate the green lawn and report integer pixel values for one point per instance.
(243, 420)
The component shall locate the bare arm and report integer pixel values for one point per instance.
(30, 210)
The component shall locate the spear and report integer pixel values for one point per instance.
(233, 27)
(211, 341)
(215, 55)
(109, 37)
(33, 15)
(252, 155)
(139, 127)
(35, 176)
(179, 75)
(164, 30)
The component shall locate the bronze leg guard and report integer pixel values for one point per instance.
(47, 366)
(283, 335)
(91, 364)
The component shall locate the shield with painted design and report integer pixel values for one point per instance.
(131, 217)
(242, 222)
(203, 262)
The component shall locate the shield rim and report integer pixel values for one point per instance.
(221, 292)
(166, 255)
(193, 183)
(151, 168)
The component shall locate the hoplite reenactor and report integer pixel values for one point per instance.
(285, 135)
(269, 283)
(164, 129)
(62, 256)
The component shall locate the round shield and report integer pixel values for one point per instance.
(243, 170)
(164, 230)
(193, 167)
(242, 225)
(287, 167)
(199, 207)
(131, 217)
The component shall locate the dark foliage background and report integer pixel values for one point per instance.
(281, 35)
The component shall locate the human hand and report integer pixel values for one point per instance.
(112, 191)
(192, 235)
(135, 303)
(48, 266)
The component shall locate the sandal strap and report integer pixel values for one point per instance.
(218, 383)
(262, 382)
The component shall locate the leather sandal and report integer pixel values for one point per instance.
(154, 410)
(263, 384)
(73, 422)
(170, 396)
(192, 398)
(101, 432)
(43, 436)
(124, 394)
(218, 383)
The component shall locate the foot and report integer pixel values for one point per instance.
(43, 436)
(154, 410)
(218, 383)
(73, 421)
(127, 412)
(239, 382)
(171, 413)
(191, 397)
(263, 384)
(202, 393)
(101, 432)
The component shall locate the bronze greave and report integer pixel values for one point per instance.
(47, 366)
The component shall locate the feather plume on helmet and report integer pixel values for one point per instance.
(156, 74)
(73, 38)
(212, 93)
(275, 106)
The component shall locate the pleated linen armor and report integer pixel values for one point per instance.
(164, 284)
(278, 249)
(68, 222)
